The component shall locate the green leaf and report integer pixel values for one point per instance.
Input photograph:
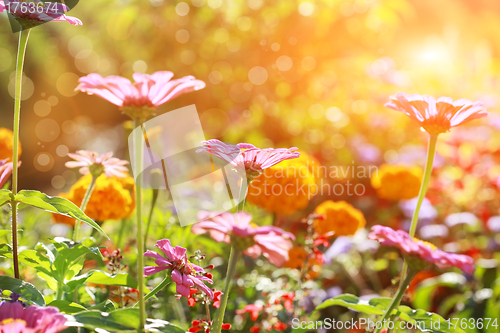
(425, 289)
(36, 260)
(5, 196)
(166, 281)
(105, 306)
(121, 279)
(69, 261)
(67, 307)
(27, 290)
(56, 205)
(374, 306)
(122, 320)
(427, 321)
(5, 251)
(5, 232)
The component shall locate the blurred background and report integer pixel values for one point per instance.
(313, 74)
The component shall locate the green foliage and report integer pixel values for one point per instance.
(120, 279)
(5, 196)
(56, 205)
(25, 289)
(123, 320)
(5, 251)
(67, 307)
(427, 321)
(374, 306)
(60, 264)
(426, 289)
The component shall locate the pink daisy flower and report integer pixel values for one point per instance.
(184, 273)
(14, 318)
(246, 155)
(437, 116)
(140, 98)
(237, 229)
(92, 162)
(423, 250)
(20, 10)
(5, 171)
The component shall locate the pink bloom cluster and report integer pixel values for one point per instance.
(437, 116)
(53, 13)
(5, 171)
(426, 251)
(184, 273)
(246, 155)
(272, 242)
(147, 90)
(14, 318)
(92, 162)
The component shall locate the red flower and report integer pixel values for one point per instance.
(279, 326)
(255, 329)
(288, 300)
(217, 295)
(253, 309)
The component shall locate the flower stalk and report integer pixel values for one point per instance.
(397, 298)
(83, 206)
(431, 152)
(138, 156)
(234, 257)
(407, 274)
(21, 52)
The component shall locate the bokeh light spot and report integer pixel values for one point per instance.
(43, 162)
(66, 84)
(28, 88)
(221, 35)
(182, 9)
(244, 23)
(306, 8)
(140, 66)
(69, 127)
(215, 122)
(182, 36)
(258, 75)
(42, 108)
(284, 63)
(309, 63)
(58, 182)
(47, 130)
(62, 150)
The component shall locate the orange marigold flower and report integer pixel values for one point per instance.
(112, 198)
(397, 182)
(297, 258)
(7, 144)
(341, 218)
(286, 187)
(437, 116)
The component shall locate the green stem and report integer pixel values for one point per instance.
(231, 270)
(60, 293)
(397, 298)
(83, 206)
(138, 155)
(243, 194)
(21, 52)
(431, 151)
(166, 281)
(14, 240)
(150, 216)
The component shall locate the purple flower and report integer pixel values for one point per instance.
(185, 274)
(246, 155)
(14, 318)
(417, 248)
